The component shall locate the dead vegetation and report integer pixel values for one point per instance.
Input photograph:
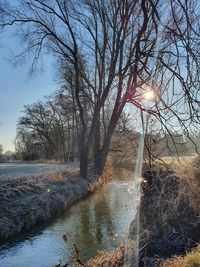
(190, 192)
(191, 259)
(25, 202)
(108, 259)
(103, 259)
(169, 212)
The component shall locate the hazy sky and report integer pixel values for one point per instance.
(17, 88)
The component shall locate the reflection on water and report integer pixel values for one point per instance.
(100, 222)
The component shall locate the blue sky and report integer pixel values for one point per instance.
(17, 88)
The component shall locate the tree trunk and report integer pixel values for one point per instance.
(83, 154)
(84, 164)
(105, 148)
(96, 142)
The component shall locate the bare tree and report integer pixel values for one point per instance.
(117, 49)
(1, 152)
(48, 128)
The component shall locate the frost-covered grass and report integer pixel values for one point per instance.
(27, 201)
(10, 171)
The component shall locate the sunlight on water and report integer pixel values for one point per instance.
(132, 257)
(138, 174)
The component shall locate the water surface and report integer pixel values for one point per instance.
(100, 222)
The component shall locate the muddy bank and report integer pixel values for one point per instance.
(169, 218)
(29, 201)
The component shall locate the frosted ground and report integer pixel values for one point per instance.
(15, 170)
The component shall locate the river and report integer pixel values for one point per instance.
(99, 222)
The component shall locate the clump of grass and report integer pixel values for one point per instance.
(59, 176)
(108, 259)
(192, 259)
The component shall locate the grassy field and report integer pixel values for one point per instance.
(178, 161)
(17, 170)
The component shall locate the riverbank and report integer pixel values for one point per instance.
(169, 224)
(169, 213)
(29, 201)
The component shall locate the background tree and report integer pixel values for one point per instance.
(1, 152)
(48, 130)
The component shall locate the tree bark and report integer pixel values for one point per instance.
(105, 148)
(83, 155)
(96, 142)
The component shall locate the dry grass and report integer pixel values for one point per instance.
(24, 202)
(187, 170)
(189, 177)
(177, 161)
(191, 259)
(108, 259)
(170, 210)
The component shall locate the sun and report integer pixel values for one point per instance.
(149, 94)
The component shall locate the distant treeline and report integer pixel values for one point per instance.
(50, 130)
